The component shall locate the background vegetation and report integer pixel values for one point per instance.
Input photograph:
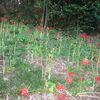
(79, 14)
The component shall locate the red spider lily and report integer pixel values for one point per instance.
(60, 32)
(70, 80)
(74, 41)
(98, 49)
(61, 96)
(13, 22)
(60, 86)
(55, 23)
(81, 78)
(96, 45)
(71, 73)
(39, 28)
(28, 30)
(58, 37)
(71, 36)
(59, 29)
(80, 42)
(97, 78)
(9, 30)
(36, 29)
(49, 28)
(24, 91)
(66, 98)
(84, 35)
(98, 63)
(2, 18)
(85, 61)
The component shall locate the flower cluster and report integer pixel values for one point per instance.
(62, 96)
(2, 18)
(24, 91)
(49, 28)
(13, 22)
(85, 61)
(39, 28)
(97, 78)
(84, 35)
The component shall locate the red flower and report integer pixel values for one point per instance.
(84, 35)
(98, 49)
(71, 36)
(28, 30)
(58, 36)
(70, 80)
(96, 45)
(49, 28)
(9, 30)
(55, 23)
(24, 91)
(81, 78)
(40, 28)
(13, 22)
(85, 61)
(60, 86)
(61, 96)
(59, 29)
(66, 98)
(36, 29)
(80, 42)
(2, 18)
(74, 41)
(97, 78)
(71, 73)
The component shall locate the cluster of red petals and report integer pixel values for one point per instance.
(96, 45)
(72, 74)
(59, 29)
(74, 41)
(24, 91)
(49, 28)
(28, 30)
(98, 49)
(81, 78)
(85, 61)
(62, 96)
(58, 37)
(71, 35)
(39, 28)
(2, 18)
(9, 30)
(97, 78)
(84, 35)
(55, 23)
(59, 86)
(13, 22)
(70, 80)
